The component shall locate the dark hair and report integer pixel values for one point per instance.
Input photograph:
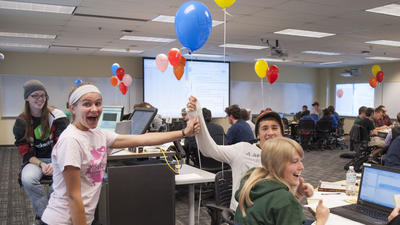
(244, 114)
(398, 117)
(331, 109)
(315, 103)
(362, 109)
(233, 110)
(269, 115)
(304, 106)
(381, 107)
(206, 115)
(143, 104)
(326, 112)
(379, 110)
(369, 112)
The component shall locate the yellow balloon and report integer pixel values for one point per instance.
(375, 69)
(261, 68)
(224, 3)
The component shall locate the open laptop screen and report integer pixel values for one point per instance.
(141, 119)
(378, 185)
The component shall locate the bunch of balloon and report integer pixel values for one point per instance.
(377, 77)
(177, 61)
(120, 78)
(78, 82)
(193, 24)
(224, 4)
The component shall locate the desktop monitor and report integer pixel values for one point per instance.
(141, 119)
(110, 116)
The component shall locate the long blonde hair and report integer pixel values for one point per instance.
(275, 155)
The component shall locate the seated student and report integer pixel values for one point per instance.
(368, 124)
(80, 157)
(335, 117)
(245, 115)
(240, 130)
(218, 135)
(270, 194)
(240, 156)
(306, 116)
(393, 133)
(316, 110)
(361, 114)
(378, 115)
(392, 158)
(385, 120)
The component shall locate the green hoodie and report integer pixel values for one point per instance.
(273, 204)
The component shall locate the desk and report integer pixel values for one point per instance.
(191, 175)
(126, 154)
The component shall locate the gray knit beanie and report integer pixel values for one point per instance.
(32, 86)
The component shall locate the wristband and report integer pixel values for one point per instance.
(183, 133)
(38, 164)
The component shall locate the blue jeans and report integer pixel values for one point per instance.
(30, 177)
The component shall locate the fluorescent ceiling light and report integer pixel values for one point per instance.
(141, 38)
(321, 53)
(204, 55)
(385, 42)
(304, 33)
(328, 63)
(26, 35)
(37, 7)
(22, 45)
(257, 47)
(391, 9)
(171, 19)
(274, 60)
(383, 58)
(121, 50)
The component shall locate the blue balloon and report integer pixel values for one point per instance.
(77, 82)
(193, 24)
(114, 68)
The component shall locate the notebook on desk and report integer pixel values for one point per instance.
(375, 197)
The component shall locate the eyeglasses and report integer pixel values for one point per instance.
(37, 96)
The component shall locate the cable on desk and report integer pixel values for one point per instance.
(177, 162)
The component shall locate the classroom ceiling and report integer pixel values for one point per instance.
(97, 24)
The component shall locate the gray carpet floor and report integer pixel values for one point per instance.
(15, 206)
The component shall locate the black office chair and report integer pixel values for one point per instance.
(323, 131)
(223, 194)
(228, 216)
(338, 135)
(306, 130)
(359, 138)
(286, 127)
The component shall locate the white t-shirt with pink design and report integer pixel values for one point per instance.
(88, 151)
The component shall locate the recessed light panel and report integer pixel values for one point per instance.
(385, 42)
(36, 7)
(150, 39)
(304, 33)
(391, 9)
(26, 35)
(321, 53)
(255, 47)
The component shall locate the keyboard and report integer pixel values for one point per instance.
(362, 214)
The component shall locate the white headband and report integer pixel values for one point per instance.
(81, 91)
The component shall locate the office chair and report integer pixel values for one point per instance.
(286, 127)
(323, 131)
(339, 135)
(223, 194)
(359, 138)
(306, 130)
(228, 216)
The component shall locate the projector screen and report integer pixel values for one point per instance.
(207, 81)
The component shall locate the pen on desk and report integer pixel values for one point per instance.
(333, 193)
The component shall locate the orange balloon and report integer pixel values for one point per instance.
(178, 71)
(373, 82)
(114, 81)
(182, 61)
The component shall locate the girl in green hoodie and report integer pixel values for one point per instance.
(270, 195)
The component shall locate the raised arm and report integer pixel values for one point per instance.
(123, 141)
(205, 143)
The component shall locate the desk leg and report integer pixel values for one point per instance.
(191, 204)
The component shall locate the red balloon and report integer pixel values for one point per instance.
(379, 76)
(339, 93)
(114, 81)
(178, 71)
(174, 56)
(120, 73)
(272, 73)
(373, 82)
(123, 88)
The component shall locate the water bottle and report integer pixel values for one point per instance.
(351, 181)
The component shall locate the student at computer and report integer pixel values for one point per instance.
(36, 130)
(361, 114)
(80, 156)
(267, 195)
(241, 156)
(240, 130)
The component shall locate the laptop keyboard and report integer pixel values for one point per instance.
(367, 215)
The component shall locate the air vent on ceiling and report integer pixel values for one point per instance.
(351, 72)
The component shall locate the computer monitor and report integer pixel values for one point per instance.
(110, 116)
(141, 119)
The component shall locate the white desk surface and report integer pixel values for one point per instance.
(193, 175)
(149, 151)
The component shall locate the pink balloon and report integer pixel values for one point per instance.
(339, 93)
(127, 80)
(162, 62)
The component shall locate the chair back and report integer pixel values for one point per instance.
(223, 188)
(324, 126)
(306, 126)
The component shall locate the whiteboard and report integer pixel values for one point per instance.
(390, 98)
(280, 97)
(58, 88)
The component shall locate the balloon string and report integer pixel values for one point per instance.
(224, 32)
(262, 94)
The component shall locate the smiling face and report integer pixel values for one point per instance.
(87, 111)
(268, 129)
(36, 100)
(293, 170)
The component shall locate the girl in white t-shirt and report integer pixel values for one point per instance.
(80, 155)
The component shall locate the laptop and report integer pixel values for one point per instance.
(375, 197)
